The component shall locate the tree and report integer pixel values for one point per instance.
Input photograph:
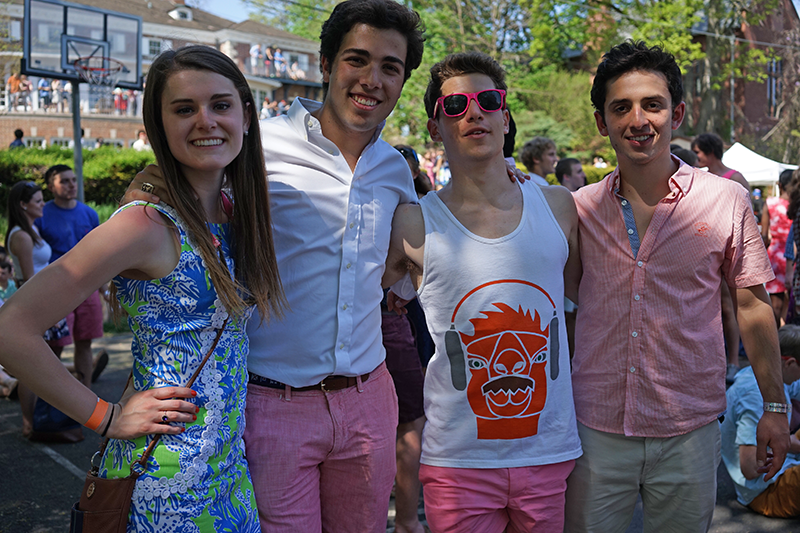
(303, 18)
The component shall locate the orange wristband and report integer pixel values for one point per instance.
(98, 415)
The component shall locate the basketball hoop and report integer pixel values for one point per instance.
(102, 74)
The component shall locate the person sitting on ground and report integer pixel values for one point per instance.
(540, 158)
(570, 174)
(780, 496)
(189, 277)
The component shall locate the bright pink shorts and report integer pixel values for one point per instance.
(85, 322)
(494, 500)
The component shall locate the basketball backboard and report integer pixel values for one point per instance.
(56, 34)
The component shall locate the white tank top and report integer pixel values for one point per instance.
(41, 253)
(498, 392)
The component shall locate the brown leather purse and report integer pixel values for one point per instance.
(105, 503)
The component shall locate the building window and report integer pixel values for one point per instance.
(152, 47)
(774, 86)
(10, 30)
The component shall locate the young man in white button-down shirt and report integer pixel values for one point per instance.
(322, 410)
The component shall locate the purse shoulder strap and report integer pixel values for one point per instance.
(142, 461)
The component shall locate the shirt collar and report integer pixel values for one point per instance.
(304, 122)
(679, 183)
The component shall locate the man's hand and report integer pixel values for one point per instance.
(772, 431)
(152, 175)
(515, 174)
(396, 304)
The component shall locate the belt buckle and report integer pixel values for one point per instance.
(322, 386)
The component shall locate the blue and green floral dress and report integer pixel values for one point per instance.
(197, 481)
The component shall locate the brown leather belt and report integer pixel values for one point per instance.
(331, 383)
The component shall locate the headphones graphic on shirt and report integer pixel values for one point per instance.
(503, 331)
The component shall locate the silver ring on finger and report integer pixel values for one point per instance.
(165, 418)
(148, 187)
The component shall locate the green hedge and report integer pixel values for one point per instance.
(107, 171)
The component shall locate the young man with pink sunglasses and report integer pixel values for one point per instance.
(489, 259)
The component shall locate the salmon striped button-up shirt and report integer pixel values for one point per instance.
(649, 352)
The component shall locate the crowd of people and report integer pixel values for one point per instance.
(551, 367)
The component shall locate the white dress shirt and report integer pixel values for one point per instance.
(331, 228)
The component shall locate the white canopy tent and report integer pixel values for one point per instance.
(758, 170)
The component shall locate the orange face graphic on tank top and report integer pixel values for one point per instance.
(506, 358)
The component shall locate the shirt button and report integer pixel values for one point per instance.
(351, 225)
(344, 307)
(341, 346)
(636, 297)
(633, 369)
(639, 264)
(348, 265)
(310, 123)
(624, 202)
(634, 334)
(630, 231)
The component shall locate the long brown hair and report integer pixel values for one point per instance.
(22, 191)
(256, 276)
(793, 188)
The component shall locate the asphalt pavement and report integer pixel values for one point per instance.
(40, 482)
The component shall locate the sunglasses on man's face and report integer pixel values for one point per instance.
(456, 104)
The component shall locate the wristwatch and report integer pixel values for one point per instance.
(772, 407)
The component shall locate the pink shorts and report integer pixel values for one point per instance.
(85, 322)
(323, 461)
(493, 500)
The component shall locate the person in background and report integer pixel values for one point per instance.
(141, 144)
(687, 156)
(29, 254)
(18, 142)
(422, 183)
(64, 223)
(570, 174)
(780, 496)
(774, 231)
(709, 150)
(539, 157)
(8, 285)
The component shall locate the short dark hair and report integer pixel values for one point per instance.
(630, 56)
(380, 14)
(509, 139)
(709, 143)
(461, 64)
(785, 178)
(54, 171)
(19, 134)
(789, 340)
(565, 167)
(534, 149)
(687, 156)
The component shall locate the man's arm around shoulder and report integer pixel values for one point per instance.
(407, 245)
(562, 204)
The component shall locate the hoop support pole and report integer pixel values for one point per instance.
(77, 149)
